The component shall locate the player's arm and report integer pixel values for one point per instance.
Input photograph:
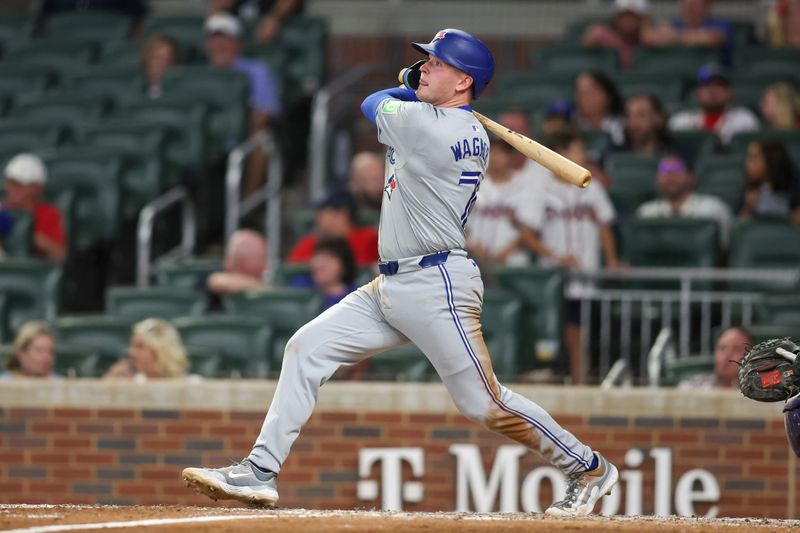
(372, 102)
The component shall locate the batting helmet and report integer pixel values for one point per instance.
(467, 53)
(792, 413)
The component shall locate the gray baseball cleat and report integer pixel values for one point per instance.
(585, 489)
(242, 481)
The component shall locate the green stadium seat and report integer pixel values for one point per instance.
(722, 176)
(633, 181)
(670, 242)
(59, 55)
(694, 144)
(21, 78)
(789, 138)
(764, 244)
(687, 367)
(302, 223)
(531, 90)
(765, 60)
(141, 146)
(185, 274)
(186, 30)
(20, 135)
(15, 27)
(19, 243)
(575, 29)
(765, 332)
(110, 336)
(541, 291)
(667, 88)
(118, 83)
(204, 361)
(597, 144)
(61, 108)
(225, 93)
(94, 177)
(32, 288)
(120, 53)
(94, 25)
(501, 320)
(154, 302)
(573, 59)
(75, 361)
(184, 121)
(744, 34)
(406, 363)
(681, 61)
(780, 310)
(305, 40)
(287, 272)
(283, 310)
(244, 342)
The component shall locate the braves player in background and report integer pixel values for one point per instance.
(429, 292)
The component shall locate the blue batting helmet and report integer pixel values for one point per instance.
(791, 412)
(467, 53)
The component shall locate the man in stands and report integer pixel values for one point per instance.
(728, 351)
(246, 262)
(26, 177)
(367, 180)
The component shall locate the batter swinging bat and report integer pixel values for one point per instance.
(556, 163)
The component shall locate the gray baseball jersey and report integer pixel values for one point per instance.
(434, 164)
(436, 159)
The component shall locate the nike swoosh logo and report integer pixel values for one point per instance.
(237, 476)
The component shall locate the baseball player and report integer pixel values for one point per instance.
(429, 292)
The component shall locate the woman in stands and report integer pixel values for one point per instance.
(780, 106)
(772, 189)
(159, 54)
(32, 355)
(156, 351)
(598, 106)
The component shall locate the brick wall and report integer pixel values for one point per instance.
(123, 454)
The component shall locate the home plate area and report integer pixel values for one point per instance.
(55, 518)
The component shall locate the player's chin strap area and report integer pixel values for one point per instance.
(409, 264)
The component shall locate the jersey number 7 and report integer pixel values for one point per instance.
(474, 179)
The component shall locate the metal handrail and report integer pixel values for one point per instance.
(663, 350)
(144, 231)
(785, 275)
(320, 125)
(269, 194)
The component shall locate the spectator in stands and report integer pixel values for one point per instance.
(772, 188)
(159, 54)
(333, 270)
(598, 105)
(224, 49)
(559, 116)
(367, 179)
(676, 186)
(645, 126)
(569, 228)
(783, 24)
(245, 263)
(271, 14)
(716, 114)
(623, 33)
(780, 107)
(503, 204)
(156, 351)
(26, 177)
(696, 27)
(728, 351)
(32, 355)
(337, 216)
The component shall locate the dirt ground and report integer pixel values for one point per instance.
(54, 518)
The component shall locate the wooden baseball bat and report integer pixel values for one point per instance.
(556, 163)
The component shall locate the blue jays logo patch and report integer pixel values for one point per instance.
(391, 185)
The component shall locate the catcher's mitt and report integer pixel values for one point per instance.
(770, 370)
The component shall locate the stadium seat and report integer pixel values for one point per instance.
(244, 342)
(203, 361)
(76, 361)
(406, 363)
(15, 27)
(117, 83)
(19, 242)
(501, 321)
(283, 310)
(120, 53)
(633, 181)
(94, 177)
(765, 332)
(305, 40)
(541, 291)
(32, 288)
(20, 135)
(18, 78)
(789, 138)
(573, 59)
(530, 91)
(185, 122)
(764, 244)
(670, 242)
(780, 310)
(687, 367)
(766, 60)
(186, 274)
(681, 62)
(91, 25)
(693, 144)
(597, 144)
(65, 108)
(722, 176)
(59, 55)
(187, 30)
(667, 88)
(575, 29)
(110, 336)
(225, 93)
(154, 302)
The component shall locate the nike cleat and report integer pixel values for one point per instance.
(242, 482)
(585, 489)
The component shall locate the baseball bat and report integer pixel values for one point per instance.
(556, 163)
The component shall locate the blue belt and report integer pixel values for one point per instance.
(389, 268)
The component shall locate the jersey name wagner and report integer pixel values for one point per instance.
(435, 161)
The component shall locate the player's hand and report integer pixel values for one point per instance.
(409, 76)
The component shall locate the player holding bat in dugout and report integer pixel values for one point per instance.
(428, 292)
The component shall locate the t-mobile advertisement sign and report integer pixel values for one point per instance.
(500, 489)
